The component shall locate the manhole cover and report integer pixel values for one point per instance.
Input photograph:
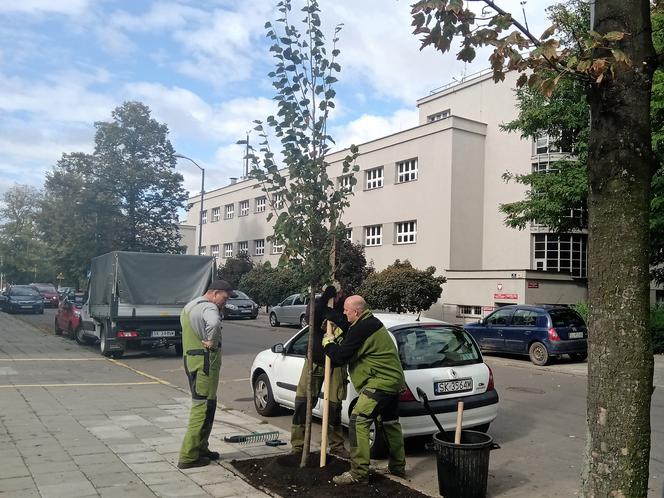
(529, 390)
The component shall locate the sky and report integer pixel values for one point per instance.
(201, 66)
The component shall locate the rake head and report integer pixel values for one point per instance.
(255, 437)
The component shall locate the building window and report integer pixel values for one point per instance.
(244, 208)
(204, 217)
(407, 171)
(260, 204)
(349, 233)
(373, 235)
(544, 145)
(465, 310)
(565, 253)
(214, 250)
(543, 166)
(215, 214)
(278, 201)
(438, 116)
(243, 247)
(406, 232)
(229, 211)
(374, 178)
(228, 250)
(259, 247)
(277, 247)
(346, 183)
(201, 251)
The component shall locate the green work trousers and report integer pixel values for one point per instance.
(202, 368)
(382, 408)
(337, 395)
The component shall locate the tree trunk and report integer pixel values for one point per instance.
(310, 349)
(620, 168)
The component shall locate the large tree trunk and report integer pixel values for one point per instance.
(620, 169)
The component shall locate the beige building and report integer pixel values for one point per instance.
(431, 194)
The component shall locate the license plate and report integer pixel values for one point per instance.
(452, 386)
(163, 333)
(575, 335)
(26, 307)
(246, 311)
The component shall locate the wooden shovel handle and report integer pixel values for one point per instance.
(326, 398)
(457, 434)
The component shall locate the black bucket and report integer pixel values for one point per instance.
(463, 469)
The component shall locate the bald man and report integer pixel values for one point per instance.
(376, 373)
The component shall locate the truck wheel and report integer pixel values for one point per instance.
(56, 328)
(104, 346)
(273, 320)
(178, 350)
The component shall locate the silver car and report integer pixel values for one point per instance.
(290, 311)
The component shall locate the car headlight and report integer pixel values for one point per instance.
(231, 306)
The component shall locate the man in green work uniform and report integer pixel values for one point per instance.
(376, 373)
(337, 381)
(201, 344)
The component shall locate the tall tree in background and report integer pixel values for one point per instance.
(124, 196)
(134, 162)
(565, 118)
(305, 199)
(616, 63)
(23, 254)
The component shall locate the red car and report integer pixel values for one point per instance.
(48, 293)
(68, 316)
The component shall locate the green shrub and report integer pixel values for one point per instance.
(582, 309)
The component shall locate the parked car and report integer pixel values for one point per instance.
(68, 316)
(239, 305)
(541, 332)
(22, 299)
(49, 294)
(290, 311)
(441, 359)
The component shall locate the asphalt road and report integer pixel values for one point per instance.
(540, 425)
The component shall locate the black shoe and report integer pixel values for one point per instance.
(201, 462)
(212, 455)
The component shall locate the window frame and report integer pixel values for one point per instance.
(376, 239)
(378, 181)
(228, 249)
(214, 253)
(405, 234)
(261, 247)
(216, 214)
(229, 214)
(243, 208)
(405, 175)
(259, 207)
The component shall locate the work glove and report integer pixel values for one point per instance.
(327, 340)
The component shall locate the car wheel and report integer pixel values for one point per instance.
(70, 331)
(538, 353)
(263, 398)
(273, 320)
(578, 356)
(303, 321)
(79, 337)
(481, 428)
(178, 350)
(378, 443)
(56, 328)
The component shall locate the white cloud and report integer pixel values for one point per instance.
(370, 127)
(66, 7)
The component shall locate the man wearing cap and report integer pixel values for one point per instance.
(201, 344)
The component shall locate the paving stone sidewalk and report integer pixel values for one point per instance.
(73, 424)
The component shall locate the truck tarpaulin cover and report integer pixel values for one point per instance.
(150, 278)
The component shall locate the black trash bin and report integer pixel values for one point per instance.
(463, 468)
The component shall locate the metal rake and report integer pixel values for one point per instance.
(254, 437)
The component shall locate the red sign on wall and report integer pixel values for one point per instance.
(506, 296)
(533, 285)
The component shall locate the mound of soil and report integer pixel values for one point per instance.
(282, 475)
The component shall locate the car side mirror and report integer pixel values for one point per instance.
(277, 348)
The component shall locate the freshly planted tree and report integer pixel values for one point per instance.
(615, 62)
(303, 197)
(402, 288)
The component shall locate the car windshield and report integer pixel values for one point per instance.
(566, 318)
(44, 287)
(240, 295)
(435, 346)
(23, 291)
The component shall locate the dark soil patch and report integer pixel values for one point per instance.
(282, 475)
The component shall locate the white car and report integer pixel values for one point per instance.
(441, 359)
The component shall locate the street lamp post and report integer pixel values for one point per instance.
(200, 214)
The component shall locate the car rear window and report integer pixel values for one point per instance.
(565, 318)
(435, 346)
(44, 287)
